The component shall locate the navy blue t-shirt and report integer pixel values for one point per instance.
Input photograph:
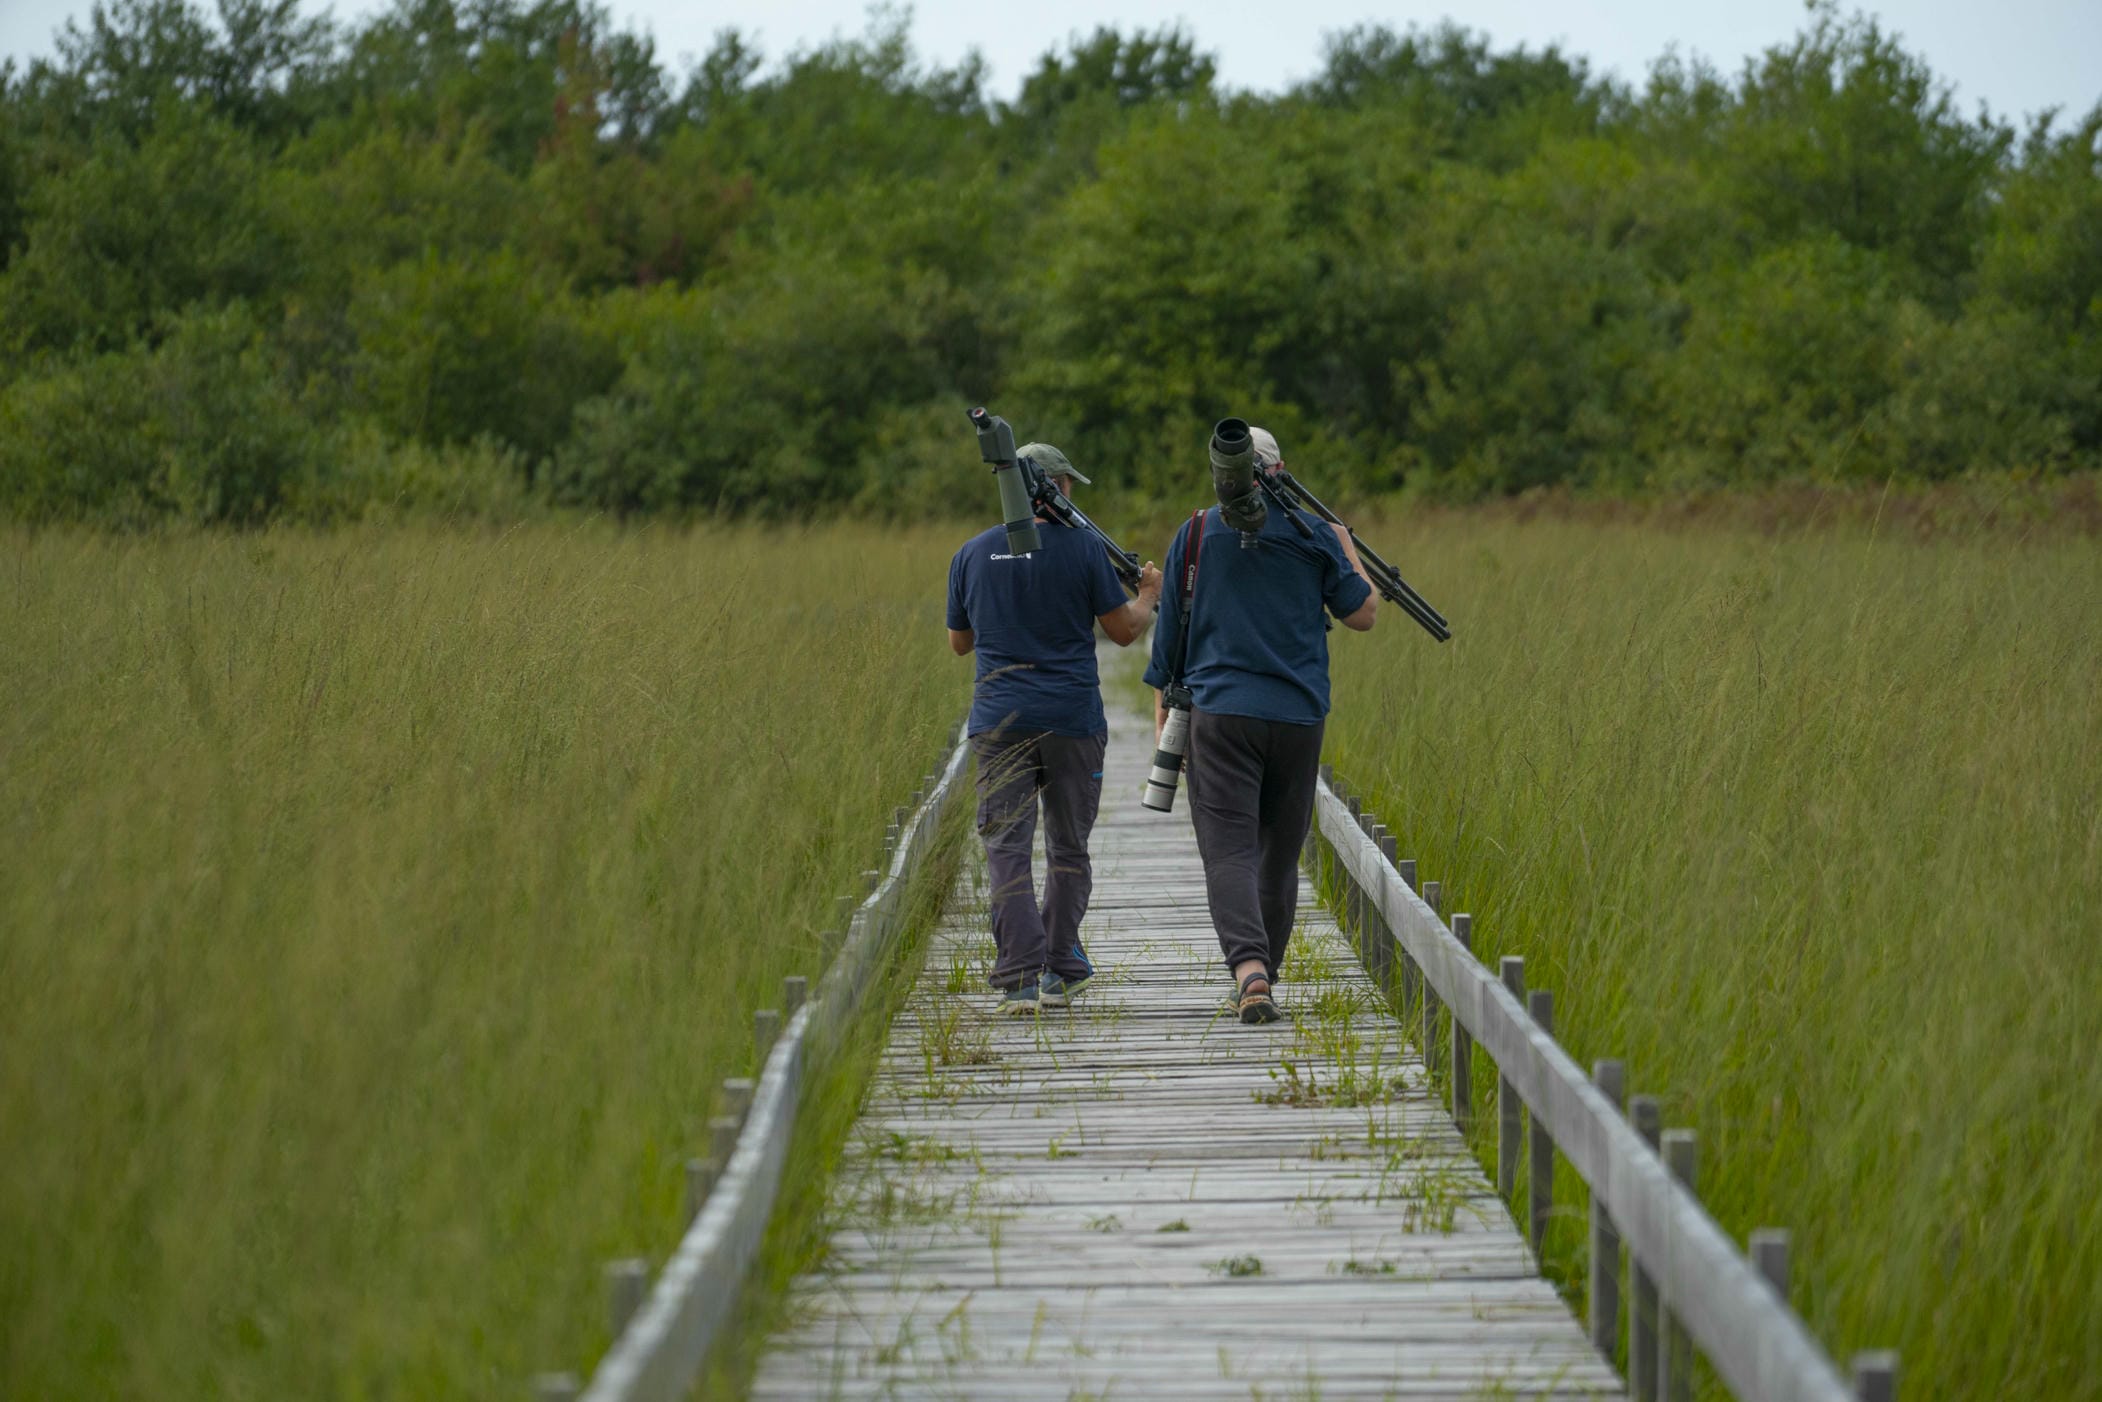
(1258, 642)
(1033, 620)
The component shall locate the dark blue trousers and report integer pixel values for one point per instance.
(1015, 774)
(1251, 788)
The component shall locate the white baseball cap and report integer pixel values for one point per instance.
(1266, 450)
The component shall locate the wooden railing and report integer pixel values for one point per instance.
(662, 1332)
(1692, 1287)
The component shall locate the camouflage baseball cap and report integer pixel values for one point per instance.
(1050, 461)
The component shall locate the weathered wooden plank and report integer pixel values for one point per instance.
(997, 1229)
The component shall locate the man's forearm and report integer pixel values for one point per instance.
(1350, 551)
(1128, 624)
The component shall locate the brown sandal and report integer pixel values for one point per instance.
(1256, 1005)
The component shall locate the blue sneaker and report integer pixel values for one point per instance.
(1058, 992)
(1017, 1002)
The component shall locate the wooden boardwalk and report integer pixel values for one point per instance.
(1142, 1198)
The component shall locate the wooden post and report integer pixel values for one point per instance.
(556, 1387)
(1375, 938)
(722, 1141)
(870, 880)
(627, 1281)
(1354, 894)
(1675, 1365)
(1769, 1252)
(766, 1028)
(1540, 1183)
(1350, 907)
(1463, 1042)
(1390, 952)
(1876, 1376)
(1375, 934)
(1411, 976)
(1432, 896)
(1510, 1126)
(1611, 1078)
(1377, 951)
(1647, 1115)
(737, 1097)
(795, 991)
(700, 1181)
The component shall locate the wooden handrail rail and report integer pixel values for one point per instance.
(1757, 1344)
(663, 1345)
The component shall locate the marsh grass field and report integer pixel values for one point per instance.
(382, 907)
(382, 910)
(1807, 825)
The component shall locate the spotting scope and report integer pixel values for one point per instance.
(1241, 503)
(1026, 492)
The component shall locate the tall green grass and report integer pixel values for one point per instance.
(1808, 828)
(381, 911)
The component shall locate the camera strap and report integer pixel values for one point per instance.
(1193, 550)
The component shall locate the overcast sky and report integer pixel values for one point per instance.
(2018, 56)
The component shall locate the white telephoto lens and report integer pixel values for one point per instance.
(1167, 762)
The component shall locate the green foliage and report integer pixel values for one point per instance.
(1549, 330)
(1841, 131)
(1166, 286)
(1467, 101)
(759, 393)
(1778, 365)
(388, 196)
(1130, 72)
(2046, 250)
(448, 351)
(257, 67)
(133, 232)
(609, 217)
(511, 67)
(1435, 264)
(198, 427)
(360, 473)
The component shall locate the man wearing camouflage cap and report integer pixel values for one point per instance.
(1038, 730)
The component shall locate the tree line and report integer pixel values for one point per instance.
(488, 255)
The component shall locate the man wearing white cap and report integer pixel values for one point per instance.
(1256, 667)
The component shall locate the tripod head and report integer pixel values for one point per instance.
(1027, 491)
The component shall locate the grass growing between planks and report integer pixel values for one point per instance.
(1809, 828)
(382, 910)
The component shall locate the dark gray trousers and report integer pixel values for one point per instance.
(1251, 797)
(1014, 771)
